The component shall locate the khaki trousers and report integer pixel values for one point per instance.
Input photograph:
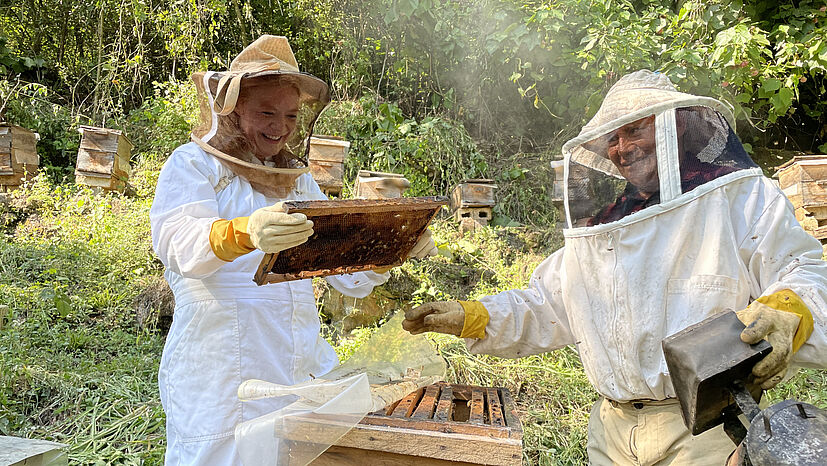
(621, 434)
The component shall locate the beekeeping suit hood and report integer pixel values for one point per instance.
(218, 132)
(646, 145)
(654, 181)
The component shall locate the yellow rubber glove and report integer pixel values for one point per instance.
(229, 239)
(785, 322)
(272, 230)
(424, 247)
(466, 319)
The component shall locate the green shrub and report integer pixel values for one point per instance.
(74, 367)
(164, 120)
(434, 153)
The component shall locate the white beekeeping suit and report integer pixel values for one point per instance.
(226, 328)
(669, 222)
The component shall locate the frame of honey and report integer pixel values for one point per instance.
(351, 235)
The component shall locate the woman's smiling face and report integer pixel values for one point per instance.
(267, 116)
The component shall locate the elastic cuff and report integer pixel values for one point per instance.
(476, 319)
(788, 301)
(229, 239)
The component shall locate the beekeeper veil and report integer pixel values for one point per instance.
(269, 61)
(647, 145)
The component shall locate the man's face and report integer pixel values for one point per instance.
(267, 117)
(632, 149)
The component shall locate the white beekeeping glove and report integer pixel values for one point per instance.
(272, 230)
(424, 247)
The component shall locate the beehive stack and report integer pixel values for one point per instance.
(327, 162)
(472, 203)
(103, 159)
(18, 156)
(441, 424)
(804, 181)
(380, 185)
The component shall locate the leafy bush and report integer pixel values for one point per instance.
(434, 153)
(164, 120)
(522, 72)
(73, 365)
(36, 107)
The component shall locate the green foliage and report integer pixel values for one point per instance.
(163, 121)
(525, 183)
(73, 366)
(519, 74)
(104, 56)
(524, 72)
(10, 64)
(434, 153)
(31, 106)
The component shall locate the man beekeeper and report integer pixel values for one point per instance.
(670, 222)
(213, 218)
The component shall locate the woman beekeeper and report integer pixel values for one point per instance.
(670, 222)
(212, 220)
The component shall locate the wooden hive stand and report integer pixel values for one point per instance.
(441, 424)
(18, 156)
(803, 180)
(380, 185)
(327, 162)
(472, 203)
(103, 159)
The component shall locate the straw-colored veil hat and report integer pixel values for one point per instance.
(218, 94)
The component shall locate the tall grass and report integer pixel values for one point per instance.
(74, 367)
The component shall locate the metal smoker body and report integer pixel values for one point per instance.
(710, 368)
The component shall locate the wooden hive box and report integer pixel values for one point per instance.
(18, 156)
(803, 179)
(103, 159)
(471, 218)
(473, 193)
(327, 162)
(380, 185)
(472, 202)
(441, 424)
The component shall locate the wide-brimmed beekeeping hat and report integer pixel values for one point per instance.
(218, 95)
(647, 144)
(635, 96)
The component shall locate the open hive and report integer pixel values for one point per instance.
(440, 424)
(327, 162)
(351, 235)
(18, 156)
(103, 159)
(804, 181)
